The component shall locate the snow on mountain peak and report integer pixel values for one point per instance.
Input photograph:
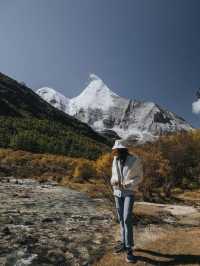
(97, 86)
(102, 109)
(54, 97)
(96, 96)
(93, 76)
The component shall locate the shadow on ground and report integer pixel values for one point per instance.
(170, 260)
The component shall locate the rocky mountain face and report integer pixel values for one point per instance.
(110, 114)
(54, 98)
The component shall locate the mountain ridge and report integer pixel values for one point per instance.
(102, 109)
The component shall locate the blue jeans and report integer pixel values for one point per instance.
(124, 206)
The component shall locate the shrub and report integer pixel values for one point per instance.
(157, 171)
(172, 161)
(104, 165)
(104, 171)
(84, 170)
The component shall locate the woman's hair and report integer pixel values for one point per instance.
(117, 152)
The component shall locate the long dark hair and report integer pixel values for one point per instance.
(120, 152)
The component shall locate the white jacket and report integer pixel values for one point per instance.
(132, 173)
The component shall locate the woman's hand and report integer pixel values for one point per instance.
(115, 183)
(125, 185)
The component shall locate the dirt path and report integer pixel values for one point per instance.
(164, 235)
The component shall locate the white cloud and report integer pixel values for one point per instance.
(196, 107)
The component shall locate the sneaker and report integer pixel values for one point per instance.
(119, 248)
(130, 257)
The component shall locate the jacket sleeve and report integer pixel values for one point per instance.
(135, 175)
(113, 178)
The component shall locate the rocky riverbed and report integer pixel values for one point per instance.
(45, 224)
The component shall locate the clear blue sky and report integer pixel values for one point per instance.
(143, 49)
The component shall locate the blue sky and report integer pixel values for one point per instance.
(143, 49)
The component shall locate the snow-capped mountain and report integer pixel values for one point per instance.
(107, 112)
(54, 98)
(95, 96)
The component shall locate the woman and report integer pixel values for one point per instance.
(127, 172)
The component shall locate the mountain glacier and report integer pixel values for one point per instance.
(111, 114)
(54, 98)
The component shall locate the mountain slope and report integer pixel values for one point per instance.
(29, 122)
(104, 110)
(56, 99)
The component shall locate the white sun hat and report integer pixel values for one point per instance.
(119, 144)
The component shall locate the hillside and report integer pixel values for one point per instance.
(30, 123)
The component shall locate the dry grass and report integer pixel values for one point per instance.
(94, 188)
(76, 173)
(159, 244)
(190, 195)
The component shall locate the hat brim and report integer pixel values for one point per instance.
(119, 147)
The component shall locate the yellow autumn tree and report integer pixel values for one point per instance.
(104, 171)
(103, 165)
(84, 170)
(157, 171)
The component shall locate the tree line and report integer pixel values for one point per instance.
(45, 136)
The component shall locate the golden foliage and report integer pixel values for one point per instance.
(84, 170)
(172, 161)
(157, 170)
(46, 166)
(104, 171)
(104, 164)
